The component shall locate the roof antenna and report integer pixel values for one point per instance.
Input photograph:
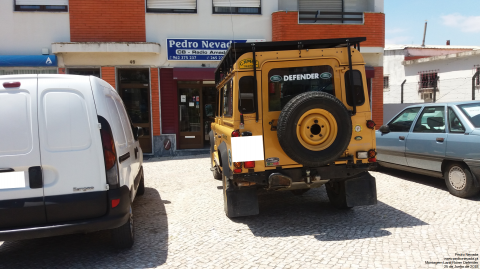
(424, 34)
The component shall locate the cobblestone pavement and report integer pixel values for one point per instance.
(180, 223)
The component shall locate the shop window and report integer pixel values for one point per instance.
(236, 7)
(227, 102)
(168, 6)
(386, 82)
(359, 94)
(246, 101)
(41, 5)
(84, 71)
(286, 83)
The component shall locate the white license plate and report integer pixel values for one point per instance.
(12, 180)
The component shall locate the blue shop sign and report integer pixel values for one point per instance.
(28, 60)
(189, 49)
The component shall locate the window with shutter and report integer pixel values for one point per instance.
(236, 7)
(41, 5)
(172, 6)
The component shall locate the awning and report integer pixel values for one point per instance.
(194, 73)
(28, 60)
(369, 71)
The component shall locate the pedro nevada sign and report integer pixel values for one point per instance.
(192, 49)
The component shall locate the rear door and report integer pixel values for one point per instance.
(281, 81)
(21, 187)
(71, 149)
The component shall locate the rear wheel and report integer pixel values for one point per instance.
(459, 180)
(141, 187)
(124, 236)
(337, 195)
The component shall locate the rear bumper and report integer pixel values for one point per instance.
(114, 218)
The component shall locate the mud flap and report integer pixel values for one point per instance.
(361, 190)
(241, 202)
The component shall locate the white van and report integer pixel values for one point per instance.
(70, 160)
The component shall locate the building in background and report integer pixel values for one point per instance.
(152, 51)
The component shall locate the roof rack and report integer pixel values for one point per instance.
(236, 50)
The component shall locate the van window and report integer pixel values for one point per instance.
(15, 122)
(66, 121)
(286, 83)
(357, 88)
(125, 120)
(227, 99)
(116, 123)
(246, 101)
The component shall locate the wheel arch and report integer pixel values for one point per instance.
(475, 171)
(223, 159)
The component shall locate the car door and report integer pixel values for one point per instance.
(426, 144)
(21, 183)
(391, 145)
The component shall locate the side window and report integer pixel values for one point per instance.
(227, 102)
(125, 120)
(115, 123)
(432, 120)
(246, 101)
(454, 122)
(403, 121)
(359, 94)
(286, 83)
(16, 134)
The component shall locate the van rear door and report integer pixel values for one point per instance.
(71, 149)
(21, 186)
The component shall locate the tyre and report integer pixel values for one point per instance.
(459, 180)
(337, 195)
(300, 191)
(124, 236)
(314, 129)
(141, 187)
(216, 172)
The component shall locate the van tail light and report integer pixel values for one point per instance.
(250, 164)
(236, 133)
(372, 160)
(15, 84)
(109, 153)
(236, 171)
(237, 165)
(115, 202)
(372, 153)
(370, 124)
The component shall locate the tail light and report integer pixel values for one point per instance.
(372, 160)
(236, 171)
(109, 153)
(237, 165)
(15, 84)
(250, 164)
(236, 133)
(370, 124)
(372, 153)
(115, 202)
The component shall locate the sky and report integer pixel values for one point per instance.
(454, 20)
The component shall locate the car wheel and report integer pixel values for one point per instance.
(459, 180)
(141, 187)
(337, 195)
(124, 236)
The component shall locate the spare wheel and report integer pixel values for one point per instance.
(314, 129)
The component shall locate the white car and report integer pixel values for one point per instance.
(70, 160)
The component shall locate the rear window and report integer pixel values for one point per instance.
(472, 112)
(286, 83)
(359, 94)
(15, 130)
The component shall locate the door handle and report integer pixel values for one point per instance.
(2, 170)
(401, 137)
(124, 157)
(35, 177)
(440, 139)
(136, 152)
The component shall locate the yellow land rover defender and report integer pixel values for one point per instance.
(293, 115)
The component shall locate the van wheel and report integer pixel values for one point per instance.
(300, 191)
(123, 236)
(459, 180)
(337, 195)
(141, 187)
(314, 129)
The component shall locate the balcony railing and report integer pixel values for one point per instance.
(329, 17)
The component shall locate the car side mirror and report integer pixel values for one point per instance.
(384, 129)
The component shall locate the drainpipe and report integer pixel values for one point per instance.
(473, 84)
(403, 83)
(435, 89)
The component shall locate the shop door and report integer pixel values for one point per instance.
(190, 116)
(134, 89)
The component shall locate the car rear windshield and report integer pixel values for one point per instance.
(472, 112)
(286, 83)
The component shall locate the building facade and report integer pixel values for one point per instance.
(161, 55)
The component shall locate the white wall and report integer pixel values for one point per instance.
(27, 32)
(204, 24)
(455, 83)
